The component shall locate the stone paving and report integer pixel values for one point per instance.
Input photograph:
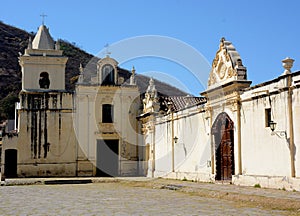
(117, 198)
(266, 192)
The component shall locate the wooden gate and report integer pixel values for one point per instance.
(224, 145)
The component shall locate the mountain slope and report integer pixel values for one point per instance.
(14, 41)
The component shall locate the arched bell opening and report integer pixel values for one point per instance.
(44, 80)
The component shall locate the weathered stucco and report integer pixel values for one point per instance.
(124, 128)
(260, 155)
(46, 141)
(223, 135)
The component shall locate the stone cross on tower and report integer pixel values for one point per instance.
(43, 18)
(107, 53)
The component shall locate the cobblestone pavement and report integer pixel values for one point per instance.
(115, 198)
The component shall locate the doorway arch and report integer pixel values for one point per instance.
(223, 133)
(10, 167)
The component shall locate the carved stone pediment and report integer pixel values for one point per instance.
(107, 128)
(148, 127)
(106, 99)
(226, 66)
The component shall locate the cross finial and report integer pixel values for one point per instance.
(43, 17)
(106, 50)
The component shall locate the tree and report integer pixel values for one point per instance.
(7, 107)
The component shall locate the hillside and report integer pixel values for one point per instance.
(14, 41)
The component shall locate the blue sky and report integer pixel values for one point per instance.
(263, 32)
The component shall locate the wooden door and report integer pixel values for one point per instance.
(223, 133)
(226, 168)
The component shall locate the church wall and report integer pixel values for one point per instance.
(193, 149)
(261, 156)
(50, 124)
(86, 127)
(85, 122)
(59, 138)
(125, 101)
(163, 148)
(266, 155)
(192, 159)
(296, 114)
(127, 111)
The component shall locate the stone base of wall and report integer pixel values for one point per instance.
(191, 176)
(277, 182)
(129, 168)
(47, 170)
(84, 168)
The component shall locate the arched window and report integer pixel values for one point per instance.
(108, 75)
(44, 80)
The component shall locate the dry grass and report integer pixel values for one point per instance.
(239, 199)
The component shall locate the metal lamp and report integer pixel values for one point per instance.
(272, 125)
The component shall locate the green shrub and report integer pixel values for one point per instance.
(257, 186)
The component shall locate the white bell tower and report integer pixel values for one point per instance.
(43, 64)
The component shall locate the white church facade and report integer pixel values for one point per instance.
(89, 132)
(234, 132)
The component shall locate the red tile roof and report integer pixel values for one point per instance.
(177, 103)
